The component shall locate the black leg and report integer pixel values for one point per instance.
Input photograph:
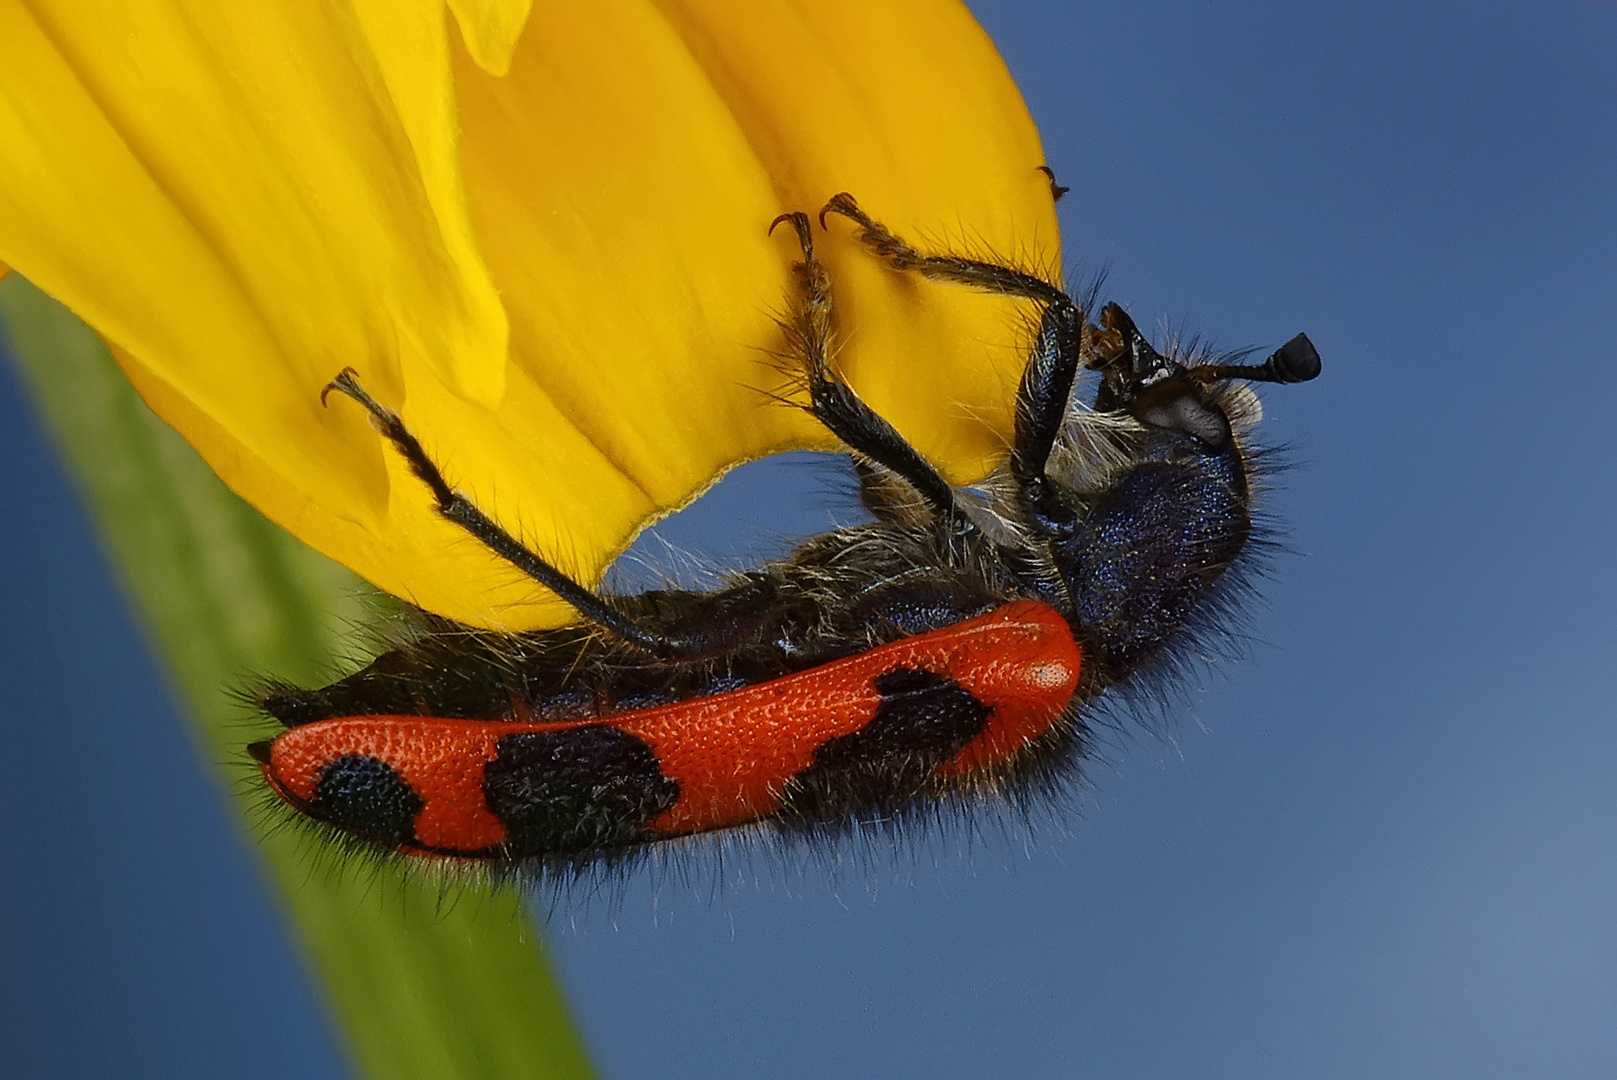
(888, 497)
(1041, 400)
(987, 276)
(460, 510)
(1056, 190)
(833, 401)
(1041, 407)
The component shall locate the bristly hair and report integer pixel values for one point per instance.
(854, 854)
(999, 819)
(946, 672)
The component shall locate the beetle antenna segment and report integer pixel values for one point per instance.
(1294, 362)
(460, 510)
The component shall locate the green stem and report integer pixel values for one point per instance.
(420, 985)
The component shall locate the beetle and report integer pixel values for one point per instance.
(950, 651)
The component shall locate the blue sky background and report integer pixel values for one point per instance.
(1386, 845)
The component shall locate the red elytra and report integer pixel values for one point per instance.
(730, 753)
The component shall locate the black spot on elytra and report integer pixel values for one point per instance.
(923, 720)
(569, 792)
(368, 798)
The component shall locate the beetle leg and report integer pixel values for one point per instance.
(900, 255)
(834, 403)
(455, 507)
(1041, 400)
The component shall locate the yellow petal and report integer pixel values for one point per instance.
(908, 106)
(622, 177)
(246, 200)
(490, 29)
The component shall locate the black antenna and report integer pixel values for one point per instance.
(1295, 361)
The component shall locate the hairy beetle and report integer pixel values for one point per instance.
(948, 650)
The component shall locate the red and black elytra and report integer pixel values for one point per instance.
(956, 701)
(950, 650)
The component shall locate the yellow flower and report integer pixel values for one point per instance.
(541, 236)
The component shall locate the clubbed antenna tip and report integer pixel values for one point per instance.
(1295, 361)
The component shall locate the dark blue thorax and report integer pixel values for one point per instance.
(1149, 550)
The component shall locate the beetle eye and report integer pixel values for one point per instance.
(1187, 413)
